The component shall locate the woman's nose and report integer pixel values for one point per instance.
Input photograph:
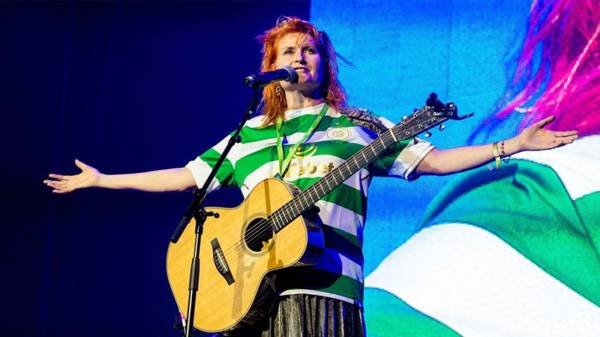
(300, 57)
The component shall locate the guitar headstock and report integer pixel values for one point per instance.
(448, 110)
(433, 113)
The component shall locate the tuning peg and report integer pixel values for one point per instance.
(427, 134)
(442, 127)
(404, 118)
(415, 109)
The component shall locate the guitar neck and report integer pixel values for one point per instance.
(409, 127)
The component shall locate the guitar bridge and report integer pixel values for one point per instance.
(220, 262)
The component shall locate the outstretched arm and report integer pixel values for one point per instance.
(175, 179)
(533, 138)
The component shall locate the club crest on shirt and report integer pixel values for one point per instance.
(339, 134)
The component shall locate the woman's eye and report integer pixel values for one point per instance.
(288, 51)
(310, 51)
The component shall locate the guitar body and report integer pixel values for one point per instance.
(238, 249)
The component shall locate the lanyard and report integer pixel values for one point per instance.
(284, 164)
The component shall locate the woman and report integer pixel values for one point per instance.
(514, 253)
(305, 131)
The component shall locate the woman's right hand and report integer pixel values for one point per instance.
(88, 177)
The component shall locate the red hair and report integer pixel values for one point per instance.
(273, 95)
(558, 71)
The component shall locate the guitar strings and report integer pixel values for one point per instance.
(386, 137)
(263, 225)
(260, 229)
(266, 224)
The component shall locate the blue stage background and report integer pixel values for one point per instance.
(403, 50)
(135, 86)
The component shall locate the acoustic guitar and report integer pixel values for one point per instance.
(268, 232)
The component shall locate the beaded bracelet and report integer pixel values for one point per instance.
(503, 154)
(496, 152)
(499, 154)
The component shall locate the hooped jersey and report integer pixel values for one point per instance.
(339, 272)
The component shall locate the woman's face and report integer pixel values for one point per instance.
(300, 52)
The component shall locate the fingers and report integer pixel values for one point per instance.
(566, 137)
(59, 186)
(544, 122)
(56, 183)
(67, 183)
(81, 164)
(62, 190)
(59, 176)
(565, 133)
(569, 139)
(560, 141)
(61, 183)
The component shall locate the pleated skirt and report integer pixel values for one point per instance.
(308, 316)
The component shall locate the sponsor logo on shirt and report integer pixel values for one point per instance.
(308, 169)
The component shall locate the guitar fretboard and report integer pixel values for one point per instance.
(303, 201)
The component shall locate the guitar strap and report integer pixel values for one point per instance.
(285, 163)
(364, 118)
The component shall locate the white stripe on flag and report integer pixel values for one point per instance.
(470, 280)
(576, 164)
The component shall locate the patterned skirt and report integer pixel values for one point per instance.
(308, 316)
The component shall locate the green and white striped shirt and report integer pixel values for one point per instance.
(339, 273)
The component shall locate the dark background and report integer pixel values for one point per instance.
(124, 87)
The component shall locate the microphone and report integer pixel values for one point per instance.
(261, 79)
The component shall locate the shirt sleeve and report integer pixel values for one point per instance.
(204, 163)
(401, 160)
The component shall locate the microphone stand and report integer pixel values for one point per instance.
(197, 211)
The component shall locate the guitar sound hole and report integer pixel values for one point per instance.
(258, 233)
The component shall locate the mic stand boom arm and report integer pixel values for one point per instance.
(197, 211)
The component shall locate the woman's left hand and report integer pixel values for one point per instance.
(535, 137)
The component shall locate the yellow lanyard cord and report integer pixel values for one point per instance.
(284, 164)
